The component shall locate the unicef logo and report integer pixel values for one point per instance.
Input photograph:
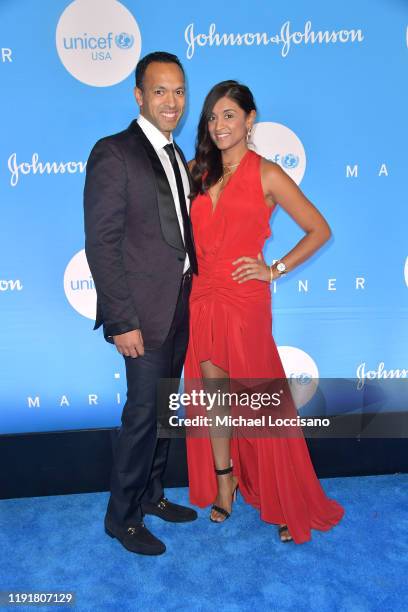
(98, 41)
(301, 372)
(302, 379)
(79, 286)
(290, 161)
(124, 40)
(281, 145)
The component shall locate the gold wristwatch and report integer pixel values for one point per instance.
(281, 268)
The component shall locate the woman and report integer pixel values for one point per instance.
(234, 193)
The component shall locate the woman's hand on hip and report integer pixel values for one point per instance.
(251, 269)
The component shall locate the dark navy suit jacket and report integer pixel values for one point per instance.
(133, 241)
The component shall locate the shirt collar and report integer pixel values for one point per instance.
(156, 138)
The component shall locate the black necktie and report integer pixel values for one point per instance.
(188, 233)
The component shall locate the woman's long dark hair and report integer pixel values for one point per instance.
(207, 169)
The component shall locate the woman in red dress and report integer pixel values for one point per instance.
(234, 193)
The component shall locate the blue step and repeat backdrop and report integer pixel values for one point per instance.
(330, 81)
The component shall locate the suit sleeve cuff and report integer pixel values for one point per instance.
(115, 329)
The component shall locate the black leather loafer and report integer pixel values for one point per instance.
(137, 539)
(166, 510)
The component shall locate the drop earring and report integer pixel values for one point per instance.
(248, 136)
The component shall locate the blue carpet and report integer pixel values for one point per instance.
(57, 543)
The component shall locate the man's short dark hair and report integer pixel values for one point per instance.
(156, 56)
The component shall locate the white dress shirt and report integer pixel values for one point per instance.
(159, 141)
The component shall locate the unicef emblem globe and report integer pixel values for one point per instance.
(290, 161)
(302, 373)
(124, 40)
(280, 144)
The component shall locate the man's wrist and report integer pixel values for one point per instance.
(118, 328)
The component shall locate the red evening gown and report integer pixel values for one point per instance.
(230, 324)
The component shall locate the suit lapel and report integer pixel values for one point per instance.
(167, 211)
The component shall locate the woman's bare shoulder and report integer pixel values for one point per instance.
(274, 180)
(270, 168)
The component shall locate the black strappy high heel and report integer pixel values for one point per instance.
(234, 497)
(281, 529)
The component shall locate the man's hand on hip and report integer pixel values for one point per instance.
(130, 344)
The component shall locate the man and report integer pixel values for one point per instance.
(140, 250)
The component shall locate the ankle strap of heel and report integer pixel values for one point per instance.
(226, 471)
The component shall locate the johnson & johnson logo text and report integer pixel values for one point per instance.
(379, 373)
(11, 285)
(34, 166)
(285, 38)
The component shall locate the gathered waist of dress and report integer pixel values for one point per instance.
(217, 275)
(211, 267)
(219, 267)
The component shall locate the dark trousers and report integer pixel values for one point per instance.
(140, 457)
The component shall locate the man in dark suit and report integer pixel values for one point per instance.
(140, 250)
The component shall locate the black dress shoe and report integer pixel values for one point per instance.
(166, 510)
(137, 539)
